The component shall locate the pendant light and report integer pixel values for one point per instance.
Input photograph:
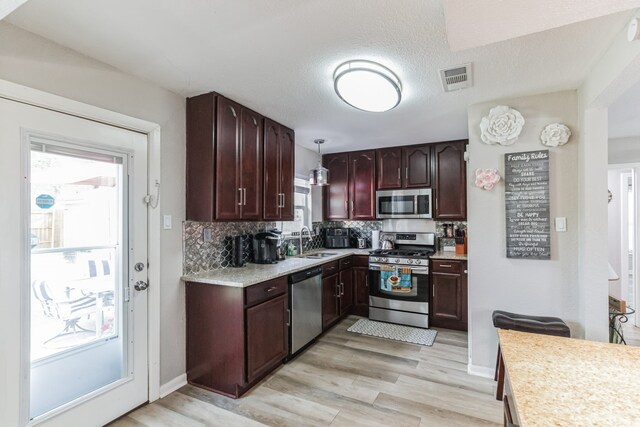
(319, 175)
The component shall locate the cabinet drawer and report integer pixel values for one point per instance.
(360, 260)
(346, 263)
(265, 291)
(329, 268)
(442, 266)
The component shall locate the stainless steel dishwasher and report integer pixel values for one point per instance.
(305, 303)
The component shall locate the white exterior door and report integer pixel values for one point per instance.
(73, 233)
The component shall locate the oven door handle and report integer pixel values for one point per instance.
(421, 271)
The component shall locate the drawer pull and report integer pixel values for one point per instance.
(445, 265)
(272, 288)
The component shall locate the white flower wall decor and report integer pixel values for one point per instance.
(486, 178)
(502, 126)
(555, 135)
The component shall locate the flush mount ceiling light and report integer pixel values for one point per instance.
(319, 175)
(367, 86)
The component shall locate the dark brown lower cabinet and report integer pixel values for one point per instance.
(330, 300)
(448, 308)
(235, 336)
(267, 336)
(361, 285)
(346, 292)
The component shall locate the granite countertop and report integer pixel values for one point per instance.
(257, 273)
(569, 382)
(449, 256)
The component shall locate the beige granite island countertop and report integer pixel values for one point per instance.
(449, 255)
(252, 274)
(568, 382)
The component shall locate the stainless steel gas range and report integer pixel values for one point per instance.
(399, 291)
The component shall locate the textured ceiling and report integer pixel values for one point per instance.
(278, 57)
(624, 114)
(482, 22)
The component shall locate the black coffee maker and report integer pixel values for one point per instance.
(265, 247)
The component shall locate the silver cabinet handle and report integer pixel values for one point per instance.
(240, 202)
(445, 265)
(366, 281)
(406, 173)
(284, 200)
(399, 174)
(341, 288)
(288, 317)
(270, 289)
(338, 290)
(352, 208)
(244, 197)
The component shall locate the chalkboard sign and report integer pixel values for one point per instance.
(526, 177)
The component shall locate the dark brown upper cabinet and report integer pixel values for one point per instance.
(279, 157)
(336, 194)
(351, 190)
(225, 161)
(389, 168)
(362, 184)
(450, 190)
(238, 162)
(404, 167)
(417, 166)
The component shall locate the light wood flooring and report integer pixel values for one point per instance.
(346, 379)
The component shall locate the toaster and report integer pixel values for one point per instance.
(336, 238)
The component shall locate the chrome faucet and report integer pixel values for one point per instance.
(304, 227)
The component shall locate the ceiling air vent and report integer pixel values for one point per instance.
(456, 78)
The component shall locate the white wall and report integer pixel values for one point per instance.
(536, 287)
(305, 161)
(614, 73)
(32, 61)
(624, 150)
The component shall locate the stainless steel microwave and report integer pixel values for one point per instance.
(404, 203)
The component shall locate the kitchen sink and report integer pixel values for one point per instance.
(320, 255)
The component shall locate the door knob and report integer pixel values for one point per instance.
(140, 285)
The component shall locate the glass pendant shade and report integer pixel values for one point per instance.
(319, 175)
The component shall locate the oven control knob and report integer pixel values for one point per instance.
(409, 261)
(417, 261)
(397, 261)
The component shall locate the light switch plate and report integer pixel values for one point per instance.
(167, 222)
(561, 223)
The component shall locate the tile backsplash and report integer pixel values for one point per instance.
(202, 256)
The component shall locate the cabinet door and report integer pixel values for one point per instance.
(446, 296)
(330, 300)
(271, 187)
(361, 291)
(287, 158)
(362, 175)
(336, 194)
(267, 336)
(451, 181)
(228, 191)
(346, 294)
(251, 164)
(417, 166)
(389, 169)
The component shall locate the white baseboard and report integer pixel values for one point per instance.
(481, 371)
(168, 388)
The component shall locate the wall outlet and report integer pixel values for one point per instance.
(206, 235)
